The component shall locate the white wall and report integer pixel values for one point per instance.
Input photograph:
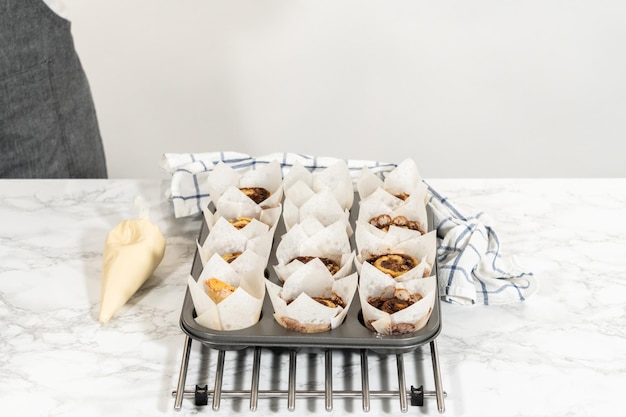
(483, 88)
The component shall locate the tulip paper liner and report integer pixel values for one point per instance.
(373, 242)
(322, 205)
(239, 310)
(246, 267)
(411, 319)
(345, 262)
(224, 184)
(234, 203)
(304, 314)
(402, 180)
(382, 202)
(225, 238)
(312, 238)
(335, 178)
(269, 217)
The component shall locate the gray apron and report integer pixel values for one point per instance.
(48, 124)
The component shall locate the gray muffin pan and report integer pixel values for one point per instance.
(352, 334)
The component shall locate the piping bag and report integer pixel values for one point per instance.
(132, 251)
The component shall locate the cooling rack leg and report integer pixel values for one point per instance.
(291, 395)
(402, 384)
(182, 376)
(256, 369)
(329, 380)
(219, 374)
(365, 381)
(434, 353)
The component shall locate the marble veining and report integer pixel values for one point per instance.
(560, 353)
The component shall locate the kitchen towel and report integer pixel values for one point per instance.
(470, 266)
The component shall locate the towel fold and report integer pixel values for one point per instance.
(471, 269)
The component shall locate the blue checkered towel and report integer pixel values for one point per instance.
(471, 269)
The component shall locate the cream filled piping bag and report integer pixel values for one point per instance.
(133, 249)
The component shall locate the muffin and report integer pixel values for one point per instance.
(260, 187)
(390, 307)
(312, 306)
(311, 246)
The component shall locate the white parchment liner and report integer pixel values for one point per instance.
(242, 206)
(312, 238)
(322, 205)
(376, 284)
(335, 177)
(405, 178)
(371, 242)
(224, 183)
(225, 238)
(248, 263)
(381, 202)
(242, 308)
(304, 314)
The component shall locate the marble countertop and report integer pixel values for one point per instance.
(560, 353)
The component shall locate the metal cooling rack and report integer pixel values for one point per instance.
(413, 396)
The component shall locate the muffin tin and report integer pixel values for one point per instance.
(352, 334)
